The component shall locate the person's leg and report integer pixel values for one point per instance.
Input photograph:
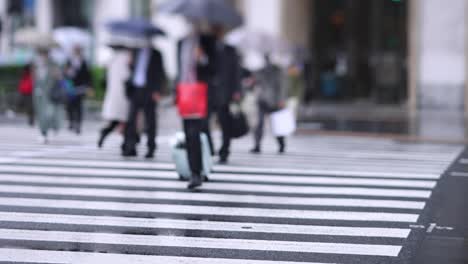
(224, 121)
(131, 134)
(205, 125)
(79, 114)
(192, 129)
(150, 120)
(70, 114)
(30, 109)
(281, 144)
(106, 131)
(258, 135)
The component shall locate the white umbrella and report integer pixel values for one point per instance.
(258, 41)
(69, 37)
(34, 38)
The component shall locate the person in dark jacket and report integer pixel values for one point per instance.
(195, 64)
(225, 88)
(147, 78)
(78, 72)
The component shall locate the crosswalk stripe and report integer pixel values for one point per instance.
(148, 165)
(218, 169)
(242, 178)
(196, 242)
(205, 225)
(282, 189)
(42, 256)
(211, 210)
(209, 197)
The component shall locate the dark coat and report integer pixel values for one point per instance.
(227, 79)
(155, 74)
(81, 76)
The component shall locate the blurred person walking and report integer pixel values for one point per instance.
(77, 71)
(25, 89)
(147, 78)
(195, 67)
(225, 89)
(46, 75)
(115, 108)
(271, 98)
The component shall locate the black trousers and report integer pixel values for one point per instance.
(108, 129)
(26, 104)
(193, 129)
(75, 112)
(223, 115)
(141, 100)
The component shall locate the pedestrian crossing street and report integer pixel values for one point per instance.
(328, 200)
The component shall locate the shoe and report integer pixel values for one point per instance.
(195, 181)
(128, 154)
(255, 150)
(100, 142)
(206, 179)
(149, 155)
(223, 161)
(281, 151)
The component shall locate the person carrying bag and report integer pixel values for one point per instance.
(194, 74)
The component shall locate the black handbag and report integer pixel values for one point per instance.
(239, 125)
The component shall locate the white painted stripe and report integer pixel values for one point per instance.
(236, 169)
(360, 151)
(208, 243)
(459, 174)
(211, 210)
(224, 169)
(42, 256)
(410, 165)
(244, 178)
(205, 225)
(208, 197)
(265, 188)
(333, 157)
(256, 177)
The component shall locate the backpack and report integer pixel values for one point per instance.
(58, 93)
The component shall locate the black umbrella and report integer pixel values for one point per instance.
(135, 27)
(214, 11)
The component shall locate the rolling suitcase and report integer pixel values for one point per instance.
(179, 156)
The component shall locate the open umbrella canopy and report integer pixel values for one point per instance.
(135, 27)
(218, 12)
(120, 42)
(68, 37)
(33, 38)
(258, 41)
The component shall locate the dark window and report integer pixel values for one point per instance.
(74, 13)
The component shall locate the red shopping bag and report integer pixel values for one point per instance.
(192, 100)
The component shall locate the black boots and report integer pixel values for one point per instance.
(195, 181)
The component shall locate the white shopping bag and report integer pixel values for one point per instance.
(283, 122)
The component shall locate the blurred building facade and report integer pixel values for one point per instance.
(410, 53)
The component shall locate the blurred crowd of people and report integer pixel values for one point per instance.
(48, 91)
(210, 81)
